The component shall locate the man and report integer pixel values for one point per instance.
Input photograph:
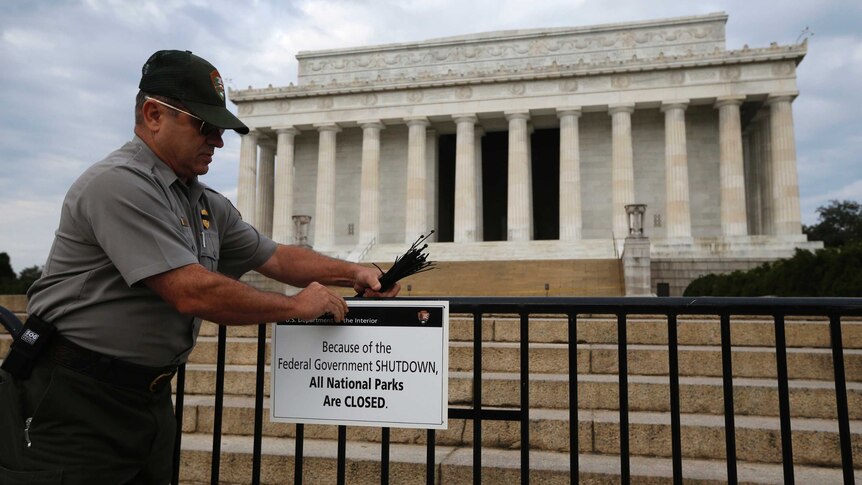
(143, 252)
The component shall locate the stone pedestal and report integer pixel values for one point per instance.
(636, 266)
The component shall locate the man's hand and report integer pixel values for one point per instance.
(366, 282)
(315, 300)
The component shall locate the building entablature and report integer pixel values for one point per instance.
(552, 70)
(702, 83)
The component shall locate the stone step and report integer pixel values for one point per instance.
(702, 330)
(455, 465)
(703, 395)
(755, 362)
(504, 251)
(758, 439)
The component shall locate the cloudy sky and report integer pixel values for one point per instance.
(69, 71)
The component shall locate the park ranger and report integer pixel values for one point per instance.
(143, 252)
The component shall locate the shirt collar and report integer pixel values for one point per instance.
(193, 188)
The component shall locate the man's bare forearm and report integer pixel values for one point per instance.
(194, 290)
(298, 266)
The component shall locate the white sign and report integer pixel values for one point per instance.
(385, 365)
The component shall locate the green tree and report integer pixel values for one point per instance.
(11, 284)
(28, 276)
(839, 223)
(826, 272)
(8, 280)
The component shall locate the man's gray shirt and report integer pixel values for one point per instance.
(127, 218)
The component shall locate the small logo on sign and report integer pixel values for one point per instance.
(423, 316)
(30, 337)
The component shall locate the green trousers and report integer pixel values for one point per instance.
(62, 427)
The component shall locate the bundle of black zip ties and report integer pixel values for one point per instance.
(414, 261)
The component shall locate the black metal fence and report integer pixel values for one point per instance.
(778, 308)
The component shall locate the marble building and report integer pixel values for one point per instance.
(528, 144)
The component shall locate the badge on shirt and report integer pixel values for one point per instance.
(205, 218)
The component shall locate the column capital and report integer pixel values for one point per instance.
(371, 124)
(416, 121)
(729, 101)
(288, 129)
(465, 118)
(517, 115)
(621, 108)
(252, 133)
(674, 104)
(327, 127)
(573, 111)
(479, 131)
(788, 96)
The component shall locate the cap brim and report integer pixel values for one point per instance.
(217, 115)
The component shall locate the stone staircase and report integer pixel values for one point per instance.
(817, 456)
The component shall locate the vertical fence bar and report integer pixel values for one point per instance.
(673, 367)
(297, 460)
(384, 456)
(574, 447)
(178, 413)
(525, 398)
(841, 397)
(430, 461)
(622, 353)
(258, 404)
(477, 398)
(727, 381)
(784, 400)
(342, 454)
(215, 465)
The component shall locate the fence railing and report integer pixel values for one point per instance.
(572, 308)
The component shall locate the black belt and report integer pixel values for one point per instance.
(109, 369)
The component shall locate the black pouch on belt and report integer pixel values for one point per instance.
(28, 347)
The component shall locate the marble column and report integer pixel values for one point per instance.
(754, 166)
(416, 217)
(785, 184)
(519, 201)
(766, 199)
(465, 174)
(480, 219)
(622, 167)
(678, 205)
(571, 222)
(324, 212)
(369, 198)
(432, 166)
(247, 187)
(265, 187)
(734, 220)
(282, 216)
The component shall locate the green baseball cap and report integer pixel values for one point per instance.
(194, 81)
